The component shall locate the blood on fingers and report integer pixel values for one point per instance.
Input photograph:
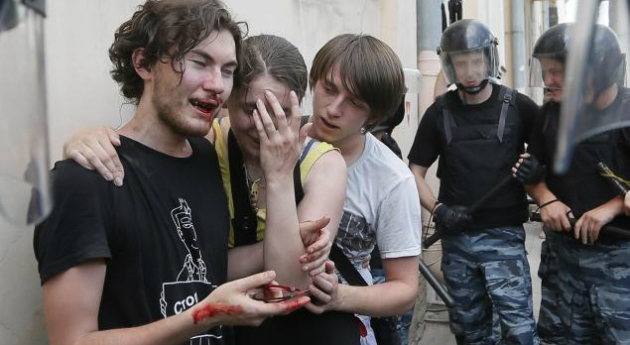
(211, 310)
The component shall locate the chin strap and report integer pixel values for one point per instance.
(473, 90)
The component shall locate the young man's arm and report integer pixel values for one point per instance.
(247, 260)
(425, 150)
(554, 214)
(427, 198)
(394, 296)
(72, 299)
(590, 223)
(398, 237)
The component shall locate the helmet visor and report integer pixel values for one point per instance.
(470, 67)
(547, 72)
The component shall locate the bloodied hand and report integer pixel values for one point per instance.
(232, 303)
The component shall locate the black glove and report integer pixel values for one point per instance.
(530, 171)
(452, 219)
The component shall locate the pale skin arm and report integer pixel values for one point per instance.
(324, 189)
(590, 223)
(427, 198)
(395, 296)
(324, 193)
(72, 298)
(247, 260)
(555, 215)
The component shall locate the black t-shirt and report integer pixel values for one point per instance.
(429, 143)
(163, 235)
(581, 188)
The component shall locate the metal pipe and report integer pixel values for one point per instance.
(435, 284)
(518, 45)
(429, 28)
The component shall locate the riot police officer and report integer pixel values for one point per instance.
(478, 131)
(547, 70)
(593, 282)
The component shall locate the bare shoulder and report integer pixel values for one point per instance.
(328, 166)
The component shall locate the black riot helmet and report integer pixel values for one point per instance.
(467, 43)
(607, 63)
(552, 45)
(595, 64)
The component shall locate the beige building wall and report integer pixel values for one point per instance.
(398, 29)
(81, 94)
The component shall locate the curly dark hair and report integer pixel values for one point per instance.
(168, 30)
(273, 55)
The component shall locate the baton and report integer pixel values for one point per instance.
(473, 208)
(606, 173)
(435, 284)
(606, 229)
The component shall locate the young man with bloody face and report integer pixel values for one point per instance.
(147, 263)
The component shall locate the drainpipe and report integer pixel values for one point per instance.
(518, 45)
(429, 24)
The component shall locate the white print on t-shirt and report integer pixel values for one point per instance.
(356, 236)
(194, 266)
(191, 284)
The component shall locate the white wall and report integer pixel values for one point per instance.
(81, 94)
(79, 32)
(398, 29)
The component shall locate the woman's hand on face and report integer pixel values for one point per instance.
(94, 149)
(281, 143)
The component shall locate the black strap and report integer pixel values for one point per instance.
(507, 96)
(245, 221)
(448, 119)
(346, 268)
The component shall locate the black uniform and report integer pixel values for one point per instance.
(163, 235)
(593, 284)
(581, 188)
(474, 160)
(485, 265)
